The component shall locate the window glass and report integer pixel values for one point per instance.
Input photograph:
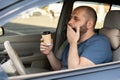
(35, 20)
(100, 8)
(115, 7)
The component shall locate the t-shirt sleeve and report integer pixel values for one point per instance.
(97, 51)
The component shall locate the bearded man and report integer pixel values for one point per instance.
(85, 47)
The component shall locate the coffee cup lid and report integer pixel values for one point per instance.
(46, 32)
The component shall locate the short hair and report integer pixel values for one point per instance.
(91, 13)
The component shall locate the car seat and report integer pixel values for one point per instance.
(111, 28)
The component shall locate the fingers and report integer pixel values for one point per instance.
(73, 35)
(68, 31)
(41, 40)
(43, 46)
(69, 28)
(78, 31)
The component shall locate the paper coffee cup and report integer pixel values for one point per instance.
(46, 38)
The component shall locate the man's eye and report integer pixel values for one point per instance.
(76, 19)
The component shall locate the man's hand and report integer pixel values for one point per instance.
(73, 36)
(45, 49)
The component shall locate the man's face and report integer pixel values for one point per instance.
(83, 28)
(78, 20)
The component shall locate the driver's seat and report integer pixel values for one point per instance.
(17, 61)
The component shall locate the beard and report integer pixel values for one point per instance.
(83, 29)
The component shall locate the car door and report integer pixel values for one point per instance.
(23, 26)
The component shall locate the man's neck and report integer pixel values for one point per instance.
(86, 36)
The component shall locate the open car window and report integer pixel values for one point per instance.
(35, 20)
(38, 19)
(115, 7)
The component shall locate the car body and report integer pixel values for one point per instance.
(27, 45)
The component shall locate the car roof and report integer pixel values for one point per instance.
(117, 2)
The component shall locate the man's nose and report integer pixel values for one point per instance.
(70, 22)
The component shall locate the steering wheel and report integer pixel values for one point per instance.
(14, 58)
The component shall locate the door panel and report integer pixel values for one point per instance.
(24, 45)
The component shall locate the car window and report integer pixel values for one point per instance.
(115, 7)
(35, 20)
(100, 8)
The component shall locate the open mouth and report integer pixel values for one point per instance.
(74, 29)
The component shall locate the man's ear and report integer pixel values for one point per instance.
(90, 24)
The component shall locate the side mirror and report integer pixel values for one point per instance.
(1, 31)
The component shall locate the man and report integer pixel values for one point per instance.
(85, 47)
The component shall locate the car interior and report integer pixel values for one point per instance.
(110, 29)
(23, 50)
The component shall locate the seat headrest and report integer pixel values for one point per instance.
(114, 36)
(111, 28)
(112, 19)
